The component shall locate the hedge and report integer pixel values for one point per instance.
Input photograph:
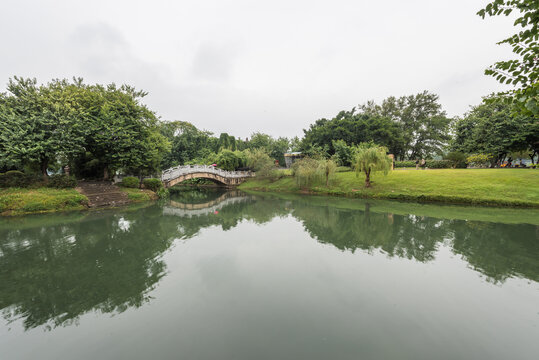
(18, 179)
(130, 182)
(62, 181)
(431, 164)
(152, 184)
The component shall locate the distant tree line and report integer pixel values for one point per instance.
(99, 130)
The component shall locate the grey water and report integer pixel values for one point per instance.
(226, 275)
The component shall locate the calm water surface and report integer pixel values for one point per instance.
(215, 275)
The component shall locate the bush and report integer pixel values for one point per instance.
(130, 182)
(18, 179)
(479, 160)
(439, 164)
(458, 159)
(401, 164)
(152, 184)
(62, 181)
(163, 193)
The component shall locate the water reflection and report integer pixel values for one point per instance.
(55, 268)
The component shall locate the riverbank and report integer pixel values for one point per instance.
(18, 201)
(485, 187)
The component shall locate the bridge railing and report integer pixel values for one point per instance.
(181, 170)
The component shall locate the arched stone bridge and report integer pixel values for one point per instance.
(178, 174)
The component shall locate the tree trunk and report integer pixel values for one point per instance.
(106, 173)
(368, 178)
(43, 166)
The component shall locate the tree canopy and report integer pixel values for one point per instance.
(522, 72)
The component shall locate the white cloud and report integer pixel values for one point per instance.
(244, 66)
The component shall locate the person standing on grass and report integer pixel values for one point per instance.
(417, 164)
(423, 163)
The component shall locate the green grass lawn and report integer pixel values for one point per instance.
(495, 187)
(16, 201)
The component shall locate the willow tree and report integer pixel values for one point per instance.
(369, 158)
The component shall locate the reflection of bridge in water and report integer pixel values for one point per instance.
(189, 210)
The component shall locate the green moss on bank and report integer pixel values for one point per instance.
(17, 201)
(487, 187)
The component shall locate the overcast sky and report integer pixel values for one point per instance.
(272, 66)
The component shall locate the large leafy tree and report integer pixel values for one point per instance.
(522, 72)
(122, 133)
(422, 122)
(353, 128)
(39, 124)
(187, 142)
(492, 128)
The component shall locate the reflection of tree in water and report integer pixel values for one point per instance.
(53, 273)
(58, 272)
(409, 237)
(499, 251)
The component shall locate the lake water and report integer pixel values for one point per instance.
(224, 275)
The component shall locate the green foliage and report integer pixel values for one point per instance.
(438, 164)
(163, 193)
(423, 126)
(479, 160)
(260, 162)
(524, 71)
(305, 172)
(92, 127)
(152, 184)
(457, 159)
(343, 153)
(493, 128)
(369, 158)
(230, 160)
(62, 181)
(327, 170)
(18, 179)
(405, 164)
(130, 182)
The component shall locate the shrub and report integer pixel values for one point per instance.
(15, 178)
(62, 181)
(479, 160)
(163, 193)
(401, 164)
(439, 164)
(343, 169)
(306, 172)
(130, 182)
(457, 158)
(152, 184)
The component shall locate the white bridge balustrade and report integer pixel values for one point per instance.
(181, 173)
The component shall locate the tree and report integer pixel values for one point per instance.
(121, 131)
(187, 142)
(421, 121)
(327, 167)
(40, 123)
(343, 152)
(522, 72)
(353, 128)
(493, 128)
(369, 158)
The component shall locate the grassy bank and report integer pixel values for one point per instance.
(490, 187)
(16, 201)
(139, 195)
